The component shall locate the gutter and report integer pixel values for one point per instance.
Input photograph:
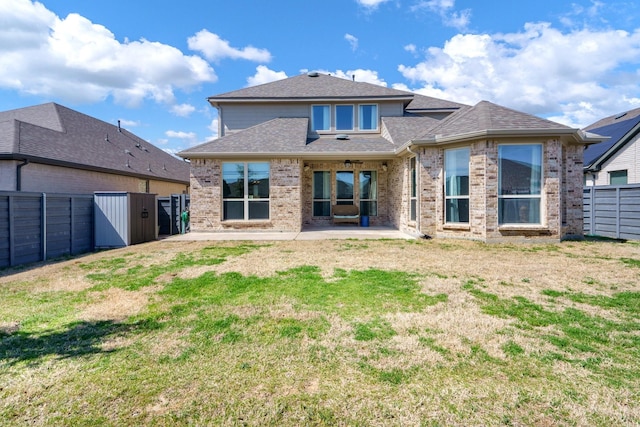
(24, 163)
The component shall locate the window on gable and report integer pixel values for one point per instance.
(519, 184)
(368, 117)
(456, 193)
(344, 117)
(618, 177)
(320, 117)
(245, 191)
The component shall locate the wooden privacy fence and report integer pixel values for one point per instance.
(612, 211)
(38, 226)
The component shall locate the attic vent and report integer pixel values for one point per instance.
(620, 116)
(313, 74)
(342, 136)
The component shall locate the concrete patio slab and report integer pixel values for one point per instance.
(343, 232)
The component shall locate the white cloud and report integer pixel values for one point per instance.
(367, 76)
(214, 48)
(370, 4)
(445, 9)
(181, 135)
(265, 75)
(183, 110)
(129, 123)
(539, 70)
(410, 48)
(77, 60)
(353, 41)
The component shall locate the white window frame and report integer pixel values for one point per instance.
(522, 196)
(335, 117)
(313, 124)
(377, 120)
(247, 198)
(457, 197)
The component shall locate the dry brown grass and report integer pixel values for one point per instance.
(451, 386)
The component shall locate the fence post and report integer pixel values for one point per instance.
(12, 234)
(43, 226)
(618, 201)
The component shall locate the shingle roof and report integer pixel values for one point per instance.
(404, 129)
(427, 103)
(616, 118)
(286, 136)
(618, 128)
(486, 116)
(304, 87)
(53, 134)
(277, 136)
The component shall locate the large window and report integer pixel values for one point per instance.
(245, 191)
(344, 117)
(344, 187)
(456, 192)
(321, 193)
(413, 202)
(320, 117)
(368, 193)
(368, 117)
(520, 184)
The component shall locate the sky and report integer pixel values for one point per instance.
(152, 64)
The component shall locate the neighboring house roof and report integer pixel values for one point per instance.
(620, 128)
(53, 134)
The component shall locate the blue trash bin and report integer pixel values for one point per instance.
(364, 221)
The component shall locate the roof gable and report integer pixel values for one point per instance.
(305, 87)
(486, 116)
(43, 115)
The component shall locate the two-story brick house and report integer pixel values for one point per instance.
(290, 150)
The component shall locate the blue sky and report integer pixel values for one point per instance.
(152, 64)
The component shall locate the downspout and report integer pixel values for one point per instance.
(24, 163)
(417, 191)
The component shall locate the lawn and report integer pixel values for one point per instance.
(338, 332)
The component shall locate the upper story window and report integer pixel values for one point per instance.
(368, 117)
(343, 117)
(320, 117)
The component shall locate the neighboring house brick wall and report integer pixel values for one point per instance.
(8, 175)
(56, 179)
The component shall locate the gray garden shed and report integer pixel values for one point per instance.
(123, 219)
